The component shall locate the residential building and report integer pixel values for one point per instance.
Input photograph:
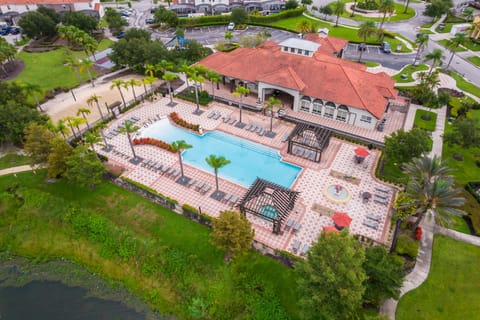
(309, 77)
(223, 6)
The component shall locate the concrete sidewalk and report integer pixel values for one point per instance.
(15, 170)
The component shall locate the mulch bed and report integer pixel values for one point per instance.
(13, 70)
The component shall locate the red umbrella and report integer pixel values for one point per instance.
(341, 219)
(330, 229)
(362, 152)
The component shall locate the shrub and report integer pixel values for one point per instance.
(407, 246)
(154, 142)
(418, 233)
(183, 123)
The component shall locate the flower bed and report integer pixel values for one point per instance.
(183, 123)
(153, 142)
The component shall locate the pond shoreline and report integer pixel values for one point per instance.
(19, 271)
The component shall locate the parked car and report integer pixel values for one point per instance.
(231, 26)
(362, 47)
(386, 47)
(149, 20)
(4, 31)
(120, 35)
(15, 30)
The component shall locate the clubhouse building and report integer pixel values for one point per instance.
(309, 76)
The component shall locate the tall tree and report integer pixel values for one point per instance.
(216, 162)
(61, 128)
(80, 20)
(214, 78)
(454, 44)
(233, 233)
(437, 58)
(407, 3)
(164, 66)
(169, 77)
(91, 138)
(432, 188)
(31, 89)
(303, 26)
(402, 146)
(240, 91)
(197, 79)
(94, 98)
(422, 43)
(84, 112)
(366, 29)
(239, 15)
(36, 25)
(87, 65)
(84, 168)
(129, 128)
(384, 275)
(178, 147)
(331, 279)
(186, 70)
(385, 7)
(326, 10)
(465, 133)
(60, 150)
(133, 83)
(118, 83)
(37, 143)
(338, 8)
(271, 104)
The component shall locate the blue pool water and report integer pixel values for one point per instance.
(249, 160)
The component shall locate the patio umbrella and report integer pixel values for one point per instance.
(361, 152)
(341, 219)
(330, 229)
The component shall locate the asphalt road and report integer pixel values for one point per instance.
(374, 53)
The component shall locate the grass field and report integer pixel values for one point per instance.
(173, 265)
(451, 286)
(13, 160)
(475, 60)
(47, 69)
(420, 121)
(446, 42)
(399, 15)
(341, 32)
(474, 46)
(408, 71)
(465, 85)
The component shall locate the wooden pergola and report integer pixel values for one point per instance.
(310, 140)
(269, 201)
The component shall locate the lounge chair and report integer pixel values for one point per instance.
(205, 189)
(297, 226)
(191, 182)
(257, 130)
(200, 185)
(171, 171)
(374, 217)
(370, 224)
(233, 200)
(248, 127)
(135, 118)
(296, 245)
(226, 119)
(217, 116)
(382, 189)
(232, 120)
(381, 196)
(211, 114)
(381, 201)
(305, 249)
(253, 128)
(262, 131)
(227, 197)
(175, 174)
(285, 137)
(289, 224)
(165, 169)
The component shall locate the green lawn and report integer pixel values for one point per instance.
(47, 69)
(13, 160)
(465, 85)
(408, 71)
(465, 170)
(174, 263)
(451, 288)
(399, 16)
(472, 45)
(446, 29)
(422, 123)
(340, 32)
(475, 60)
(446, 42)
(459, 224)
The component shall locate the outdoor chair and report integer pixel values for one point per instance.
(305, 249)
(248, 127)
(285, 137)
(370, 224)
(381, 196)
(226, 119)
(175, 174)
(200, 185)
(206, 189)
(289, 224)
(233, 200)
(374, 217)
(165, 169)
(191, 182)
(211, 114)
(232, 120)
(227, 197)
(217, 116)
(297, 226)
(262, 131)
(381, 201)
(296, 245)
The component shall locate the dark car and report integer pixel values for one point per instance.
(14, 30)
(4, 31)
(120, 35)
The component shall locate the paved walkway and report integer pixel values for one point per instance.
(15, 169)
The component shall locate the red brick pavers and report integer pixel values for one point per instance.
(311, 183)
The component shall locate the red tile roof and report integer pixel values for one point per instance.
(322, 76)
(39, 2)
(328, 45)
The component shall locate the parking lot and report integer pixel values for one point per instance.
(375, 54)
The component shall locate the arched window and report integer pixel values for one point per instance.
(329, 110)
(317, 106)
(305, 104)
(342, 113)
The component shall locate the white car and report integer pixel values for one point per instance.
(231, 26)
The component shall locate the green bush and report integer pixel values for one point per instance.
(407, 246)
(203, 97)
(276, 17)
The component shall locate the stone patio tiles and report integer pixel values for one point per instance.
(311, 207)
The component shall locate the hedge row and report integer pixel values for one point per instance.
(225, 19)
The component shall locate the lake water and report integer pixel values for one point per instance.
(43, 300)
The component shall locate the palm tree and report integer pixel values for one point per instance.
(366, 29)
(437, 58)
(353, 7)
(129, 128)
(216, 162)
(271, 103)
(118, 83)
(150, 70)
(429, 80)
(148, 80)
(432, 188)
(422, 43)
(214, 78)
(76, 122)
(196, 78)
(102, 126)
(186, 70)
(61, 128)
(240, 91)
(178, 146)
(84, 112)
(338, 9)
(87, 65)
(92, 137)
(169, 77)
(304, 26)
(385, 7)
(94, 98)
(133, 83)
(69, 121)
(164, 66)
(31, 89)
(455, 42)
(406, 6)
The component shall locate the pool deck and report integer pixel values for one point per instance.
(313, 210)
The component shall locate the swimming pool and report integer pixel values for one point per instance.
(249, 160)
